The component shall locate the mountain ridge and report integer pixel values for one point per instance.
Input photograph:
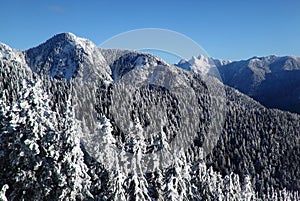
(55, 154)
(271, 80)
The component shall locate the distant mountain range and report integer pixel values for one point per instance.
(80, 123)
(273, 81)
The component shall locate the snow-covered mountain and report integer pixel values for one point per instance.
(82, 123)
(273, 81)
(123, 61)
(202, 64)
(67, 56)
(8, 54)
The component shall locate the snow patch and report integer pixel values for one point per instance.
(9, 54)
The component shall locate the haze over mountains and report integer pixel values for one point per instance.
(79, 123)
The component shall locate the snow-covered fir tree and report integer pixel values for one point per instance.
(72, 170)
(2, 193)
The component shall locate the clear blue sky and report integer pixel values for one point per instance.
(225, 29)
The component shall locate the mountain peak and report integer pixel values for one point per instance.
(71, 39)
(64, 36)
(202, 57)
(65, 56)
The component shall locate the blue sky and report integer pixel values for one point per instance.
(225, 29)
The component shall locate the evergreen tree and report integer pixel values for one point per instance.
(29, 119)
(136, 184)
(73, 176)
(247, 190)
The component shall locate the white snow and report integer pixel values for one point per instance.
(203, 65)
(9, 54)
(2, 193)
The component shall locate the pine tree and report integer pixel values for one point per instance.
(2, 193)
(102, 144)
(177, 184)
(137, 183)
(28, 120)
(73, 176)
(117, 182)
(247, 190)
